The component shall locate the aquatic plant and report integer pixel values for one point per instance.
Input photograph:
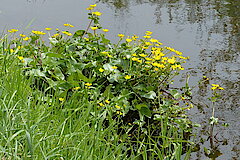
(124, 88)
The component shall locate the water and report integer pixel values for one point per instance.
(206, 30)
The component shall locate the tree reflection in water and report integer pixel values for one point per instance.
(220, 61)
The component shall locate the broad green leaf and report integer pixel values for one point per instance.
(149, 95)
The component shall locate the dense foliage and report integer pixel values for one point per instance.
(124, 89)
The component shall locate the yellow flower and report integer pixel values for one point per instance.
(93, 5)
(181, 57)
(61, 99)
(97, 13)
(101, 104)
(135, 59)
(76, 88)
(148, 33)
(129, 40)
(216, 86)
(19, 47)
(147, 36)
(135, 37)
(101, 70)
(118, 107)
(22, 35)
(148, 59)
(94, 28)
(38, 32)
(144, 47)
(134, 54)
(56, 35)
(114, 67)
(121, 35)
(20, 57)
(110, 56)
(148, 43)
(11, 50)
(12, 30)
(68, 25)
(107, 101)
(105, 30)
(67, 33)
(89, 8)
(142, 55)
(158, 65)
(26, 38)
(153, 40)
(120, 113)
(48, 29)
(127, 77)
(104, 52)
(171, 61)
(139, 61)
(88, 84)
(156, 69)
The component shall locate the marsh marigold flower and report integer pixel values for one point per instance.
(68, 25)
(22, 35)
(148, 33)
(94, 28)
(38, 32)
(107, 101)
(67, 33)
(93, 5)
(76, 88)
(12, 30)
(105, 30)
(127, 77)
(88, 84)
(129, 40)
(48, 29)
(26, 38)
(101, 70)
(61, 99)
(97, 13)
(216, 86)
(101, 104)
(121, 35)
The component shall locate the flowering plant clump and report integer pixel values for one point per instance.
(128, 82)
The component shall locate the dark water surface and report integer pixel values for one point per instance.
(206, 30)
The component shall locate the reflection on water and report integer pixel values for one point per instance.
(218, 35)
(209, 30)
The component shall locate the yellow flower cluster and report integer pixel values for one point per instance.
(38, 32)
(12, 30)
(91, 7)
(67, 33)
(173, 50)
(68, 25)
(97, 13)
(216, 86)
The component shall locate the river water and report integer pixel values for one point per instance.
(206, 30)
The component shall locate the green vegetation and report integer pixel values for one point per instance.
(82, 97)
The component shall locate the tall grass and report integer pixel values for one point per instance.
(36, 125)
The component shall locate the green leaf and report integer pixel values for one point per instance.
(78, 33)
(54, 55)
(59, 73)
(149, 95)
(144, 110)
(84, 78)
